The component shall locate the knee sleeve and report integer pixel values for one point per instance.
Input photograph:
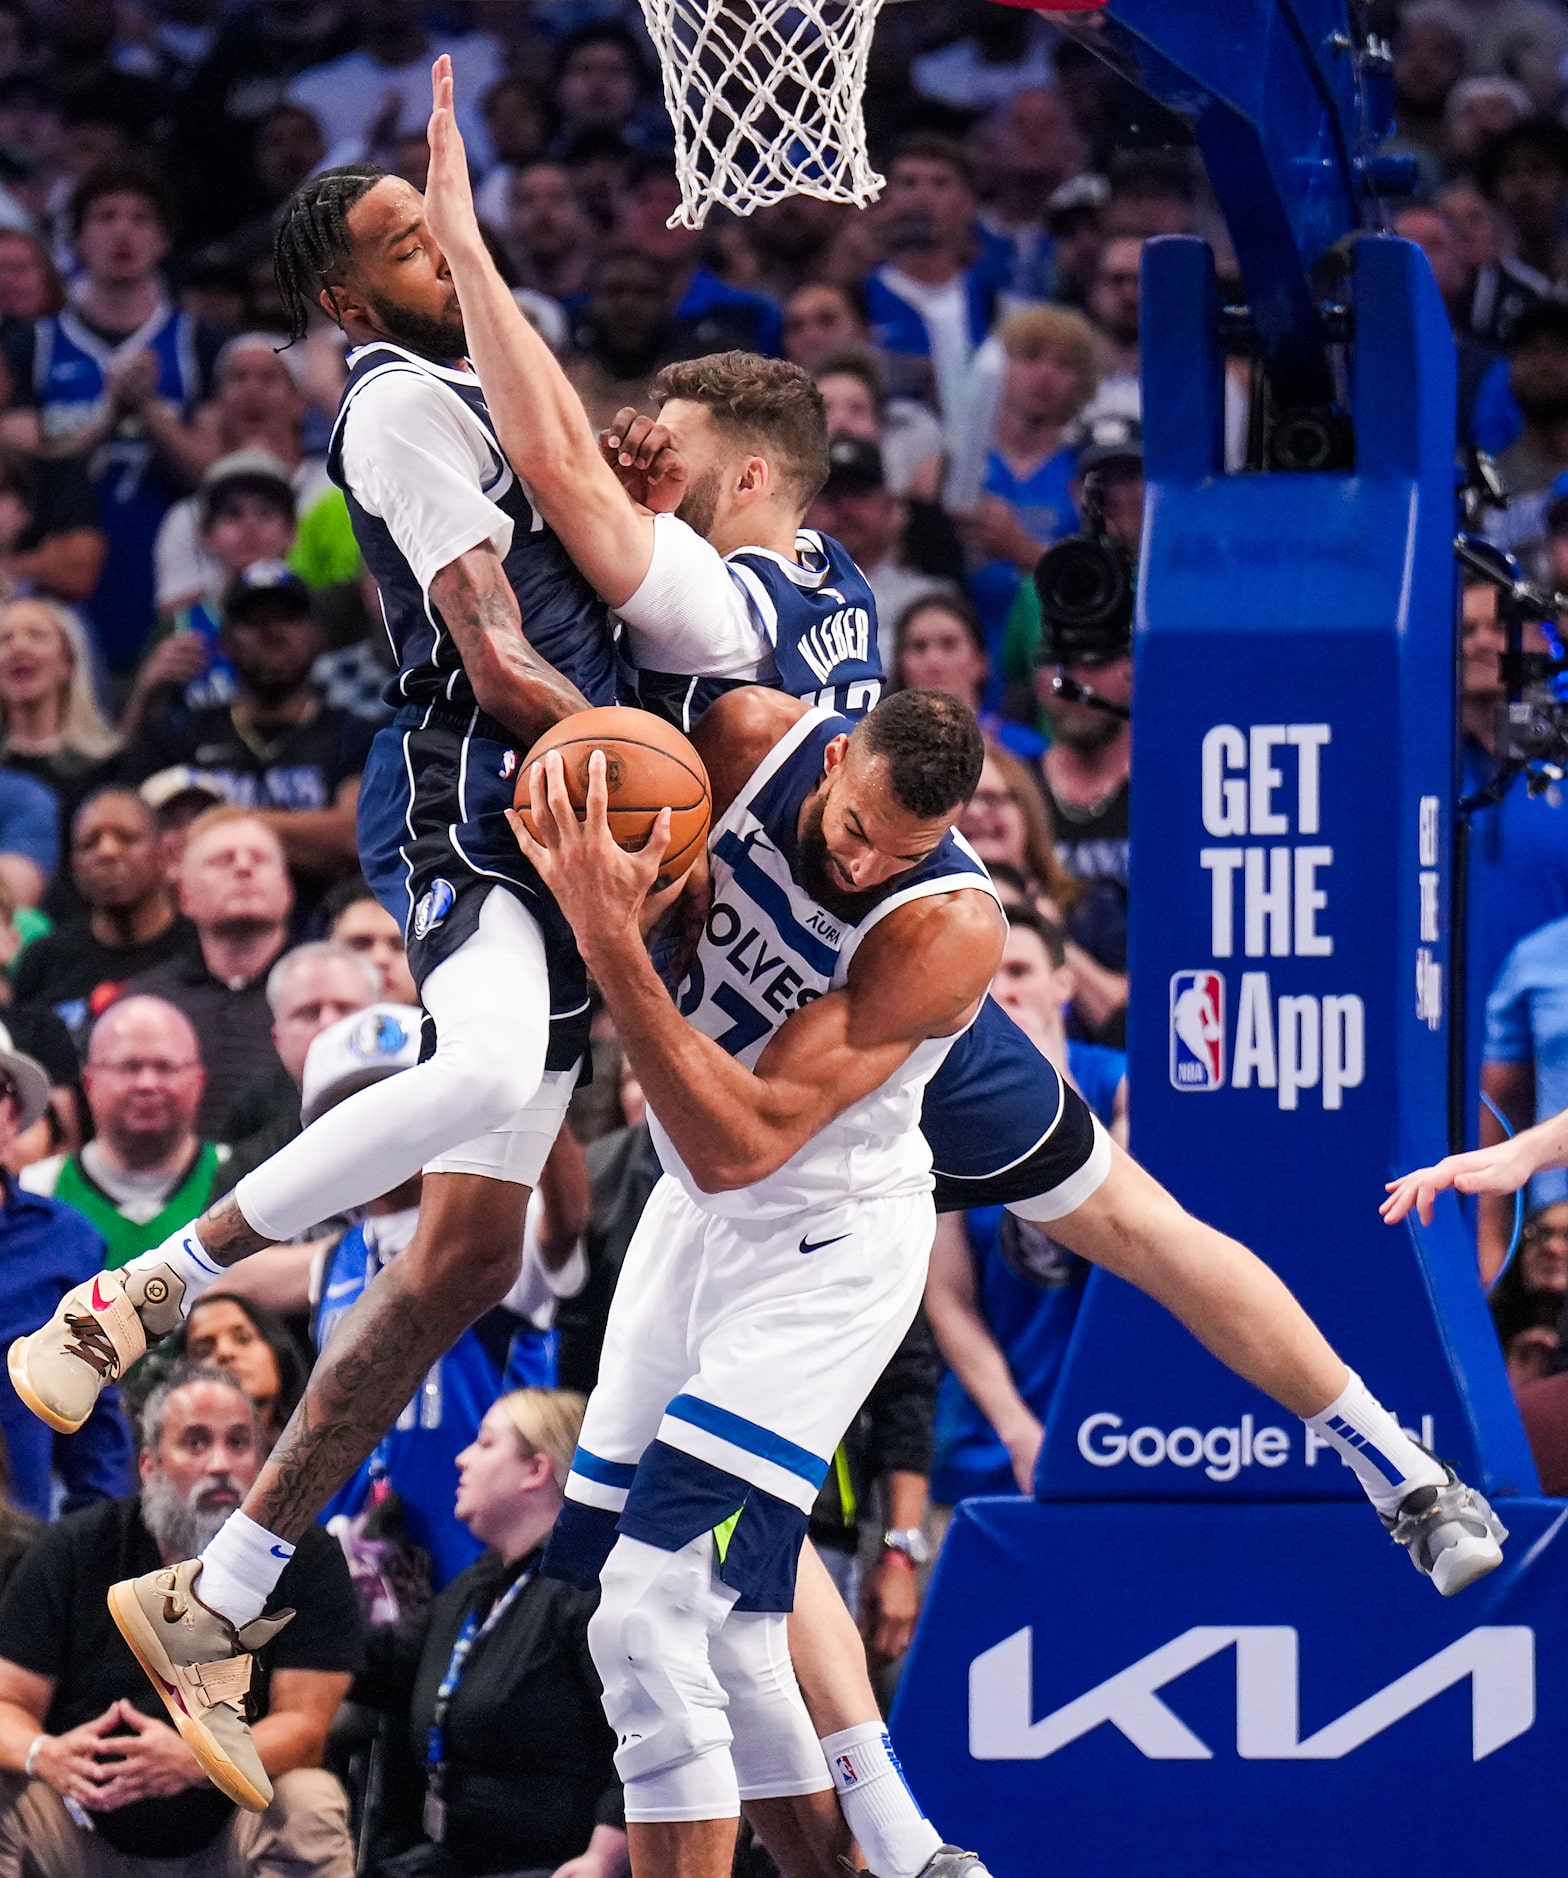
(775, 1750)
(650, 1639)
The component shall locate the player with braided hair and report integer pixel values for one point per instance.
(313, 245)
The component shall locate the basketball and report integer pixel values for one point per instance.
(649, 766)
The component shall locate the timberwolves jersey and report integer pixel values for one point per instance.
(817, 616)
(70, 382)
(563, 618)
(768, 949)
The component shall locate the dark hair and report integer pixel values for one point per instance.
(931, 147)
(270, 1327)
(932, 746)
(1536, 136)
(601, 33)
(214, 500)
(120, 179)
(855, 362)
(312, 247)
(343, 894)
(959, 605)
(1050, 935)
(767, 402)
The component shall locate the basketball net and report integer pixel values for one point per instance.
(766, 100)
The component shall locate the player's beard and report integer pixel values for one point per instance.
(700, 503)
(440, 339)
(811, 853)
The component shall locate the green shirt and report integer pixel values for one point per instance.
(123, 1237)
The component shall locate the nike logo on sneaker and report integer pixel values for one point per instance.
(806, 1245)
(99, 1303)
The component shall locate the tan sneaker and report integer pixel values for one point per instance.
(97, 1332)
(200, 1664)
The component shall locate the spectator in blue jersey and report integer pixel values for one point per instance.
(1002, 1297)
(114, 380)
(936, 296)
(511, 1344)
(1525, 1069)
(45, 1249)
(716, 316)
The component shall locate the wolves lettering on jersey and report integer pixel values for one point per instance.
(820, 620)
(768, 949)
(566, 622)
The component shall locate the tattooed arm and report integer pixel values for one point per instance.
(510, 680)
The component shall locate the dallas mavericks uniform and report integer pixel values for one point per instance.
(433, 837)
(818, 620)
(70, 381)
(1003, 1127)
(749, 1326)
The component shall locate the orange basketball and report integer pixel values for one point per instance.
(649, 766)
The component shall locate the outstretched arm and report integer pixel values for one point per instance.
(1501, 1169)
(538, 416)
(921, 973)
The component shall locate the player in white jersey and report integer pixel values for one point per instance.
(850, 938)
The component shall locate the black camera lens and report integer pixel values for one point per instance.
(1085, 586)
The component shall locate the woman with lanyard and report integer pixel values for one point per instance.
(505, 1717)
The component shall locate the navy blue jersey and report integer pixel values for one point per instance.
(817, 616)
(563, 619)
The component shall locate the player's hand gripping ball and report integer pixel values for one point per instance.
(649, 766)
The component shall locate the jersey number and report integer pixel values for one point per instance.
(850, 700)
(748, 1022)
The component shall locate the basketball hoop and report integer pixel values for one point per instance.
(766, 99)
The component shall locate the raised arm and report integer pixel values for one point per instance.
(538, 416)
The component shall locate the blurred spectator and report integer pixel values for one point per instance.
(365, 99)
(80, 55)
(881, 1469)
(45, 1249)
(50, 541)
(1526, 39)
(821, 319)
(938, 645)
(145, 1173)
(253, 1345)
(77, 1713)
(29, 837)
(857, 508)
(1537, 352)
(716, 315)
(30, 284)
(625, 333)
(790, 240)
(516, 1750)
(1480, 109)
(854, 389)
(1003, 1296)
(520, 123)
(1000, 53)
(934, 299)
(113, 381)
(1112, 305)
(130, 925)
(1026, 149)
(600, 80)
(1429, 60)
(1434, 233)
(277, 748)
(1052, 374)
(18, 1530)
(63, 1126)
(50, 725)
(1525, 1068)
(234, 888)
(243, 514)
(1525, 173)
(547, 232)
(1526, 1302)
(1074, 219)
(1151, 192)
(258, 50)
(356, 918)
(1503, 286)
(309, 989)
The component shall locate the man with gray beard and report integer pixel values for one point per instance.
(94, 1783)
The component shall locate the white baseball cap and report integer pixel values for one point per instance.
(30, 1079)
(356, 1051)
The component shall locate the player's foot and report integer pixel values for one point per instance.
(98, 1330)
(945, 1862)
(200, 1664)
(1450, 1532)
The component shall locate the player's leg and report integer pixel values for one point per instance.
(1247, 1317)
(490, 1003)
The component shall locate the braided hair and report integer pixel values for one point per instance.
(313, 246)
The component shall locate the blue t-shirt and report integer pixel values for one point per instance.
(1044, 505)
(1032, 1322)
(29, 820)
(1527, 1022)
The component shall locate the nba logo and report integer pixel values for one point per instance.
(848, 1776)
(1197, 1030)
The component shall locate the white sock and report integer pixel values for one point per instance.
(184, 1255)
(1385, 1460)
(239, 1569)
(879, 1809)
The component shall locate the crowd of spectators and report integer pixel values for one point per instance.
(191, 670)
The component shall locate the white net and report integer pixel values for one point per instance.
(765, 98)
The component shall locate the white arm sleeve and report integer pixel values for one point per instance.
(690, 615)
(415, 458)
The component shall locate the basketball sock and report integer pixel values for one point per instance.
(182, 1252)
(239, 1569)
(1385, 1460)
(879, 1809)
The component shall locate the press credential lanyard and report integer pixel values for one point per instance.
(435, 1741)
